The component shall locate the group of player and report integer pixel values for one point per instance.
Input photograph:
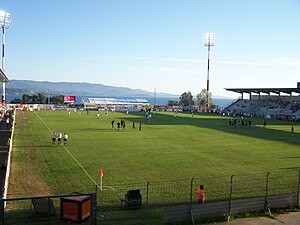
(240, 123)
(122, 124)
(58, 137)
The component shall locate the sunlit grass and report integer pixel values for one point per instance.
(165, 149)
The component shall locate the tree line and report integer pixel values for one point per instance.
(187, 99)
(39, 98)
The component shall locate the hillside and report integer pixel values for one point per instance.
(20, 87)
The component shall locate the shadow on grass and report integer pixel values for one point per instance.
(219, 123)
(115, 215)
(290, 157)
(296, 168)
(34, 146)
(109, 129)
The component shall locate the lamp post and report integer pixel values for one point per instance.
(209, 40)
(5, 21)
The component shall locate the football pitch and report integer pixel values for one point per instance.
(164, 149)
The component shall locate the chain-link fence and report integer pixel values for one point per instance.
(159, 195)
(111, 206)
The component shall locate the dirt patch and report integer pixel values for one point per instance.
(26, 178)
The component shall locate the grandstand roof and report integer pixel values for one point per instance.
(264, 90)
(115, 101)
(3, 77)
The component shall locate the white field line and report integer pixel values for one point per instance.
(78, 163)
(105, 188)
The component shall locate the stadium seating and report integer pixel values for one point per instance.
(263, 108)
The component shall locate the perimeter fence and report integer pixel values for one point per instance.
(109, 202)
(156, 196)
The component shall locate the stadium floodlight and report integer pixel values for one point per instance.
(209, 41)
(5, 21)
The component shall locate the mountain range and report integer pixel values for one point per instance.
(20, 87)
(16, 88)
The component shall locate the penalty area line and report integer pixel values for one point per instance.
(78, 163)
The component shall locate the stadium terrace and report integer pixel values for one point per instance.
(286, 107)
(115, 104)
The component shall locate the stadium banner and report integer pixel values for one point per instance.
(91, 106)
(147, 106)
(163, 107)
(69, 99)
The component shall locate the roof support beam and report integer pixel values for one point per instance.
(3, 77)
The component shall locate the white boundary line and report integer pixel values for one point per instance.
(78, 163)
(106, 188)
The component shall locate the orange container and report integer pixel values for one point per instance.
(75, 208)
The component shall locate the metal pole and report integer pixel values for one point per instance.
(49, 210)
(3, 48)
(191, 199)
(48, 95)
(155, 96)
(1, 211)
(3, 63)
(147, 194)
(207, 84)
(191, 194)
(93, 209)
(298, 189)
(209, 40)
(230, 195)
(267, 207)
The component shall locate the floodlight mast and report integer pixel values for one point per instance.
(5, 21)
(209, 41)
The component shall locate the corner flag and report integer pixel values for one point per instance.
(101, 175)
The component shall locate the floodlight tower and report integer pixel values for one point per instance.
(209, 41)
(5, 21)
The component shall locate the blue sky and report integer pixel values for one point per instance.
(147, 44)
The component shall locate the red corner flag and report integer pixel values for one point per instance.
(101, 172)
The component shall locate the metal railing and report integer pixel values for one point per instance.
(160, 195)
(156, 196)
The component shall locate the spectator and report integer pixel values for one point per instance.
(201, 195)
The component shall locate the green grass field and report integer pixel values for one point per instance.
(167, 152)
(166, 149)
